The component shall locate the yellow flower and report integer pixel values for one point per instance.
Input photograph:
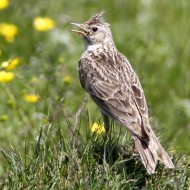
(4, 4)
(43, 24)
(31, 98)
(6, 76)
(97, 128)
(67, 80)
(8, 31)
(10, 64)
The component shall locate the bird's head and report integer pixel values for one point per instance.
(94, 31)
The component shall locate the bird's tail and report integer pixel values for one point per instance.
(151, 152)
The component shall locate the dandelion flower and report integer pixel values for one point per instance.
(31, 98)
(67, 80)
(4, 4)
(97, 128)
(43, 24)
(10, 64)
(6, 76)
(8, 31)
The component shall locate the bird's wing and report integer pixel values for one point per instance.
(118, 104)
(139, 97)
(140, 102)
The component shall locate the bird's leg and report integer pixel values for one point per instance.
(134, 151)
(106, 123)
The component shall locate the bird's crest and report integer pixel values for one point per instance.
(96, 19)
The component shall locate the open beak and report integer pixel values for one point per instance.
(83, 32)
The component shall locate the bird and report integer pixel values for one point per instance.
(109, 79)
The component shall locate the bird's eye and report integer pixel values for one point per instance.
(94, 29)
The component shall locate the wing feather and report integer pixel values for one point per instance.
(121, 97)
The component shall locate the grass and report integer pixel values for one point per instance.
(87, 163)
(35, 138)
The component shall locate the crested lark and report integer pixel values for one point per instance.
(112, 83)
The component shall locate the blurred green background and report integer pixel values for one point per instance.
(154, 35)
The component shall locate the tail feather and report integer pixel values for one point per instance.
(151, 152)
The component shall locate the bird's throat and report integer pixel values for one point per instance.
(93, 47)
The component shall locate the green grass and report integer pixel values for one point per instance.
(154, 35)
(86, 163)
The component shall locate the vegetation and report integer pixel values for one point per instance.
(43, 145)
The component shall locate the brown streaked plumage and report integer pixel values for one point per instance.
(111, 82)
